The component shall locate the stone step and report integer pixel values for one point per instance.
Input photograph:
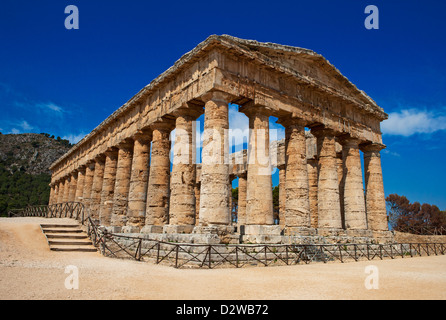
(50, 226)
(67, 236)
(67, 242)
(73, 248)
(62, 230)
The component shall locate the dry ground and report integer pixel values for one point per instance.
(29, 270)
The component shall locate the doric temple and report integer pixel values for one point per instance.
(123, 174)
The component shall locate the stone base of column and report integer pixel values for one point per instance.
(384, 236)
(331, 232)
(130, 229)
(261, 234)
(152, 229)
(359, 233)
(170, 228)
(299, 231)
(225, 233)
(256, 229)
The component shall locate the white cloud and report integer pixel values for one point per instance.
(50, 106)
(25, 125)
(412, 121)
(74, 138)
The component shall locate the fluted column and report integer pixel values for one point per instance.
(182, 197)
(197, 190)
(241, 211)
(259, 200)
(80, 184)
(353, 188)
(95, 186)
(297, 203)
(214, 206)
(157, 209)
(122, 184)
(282, 194)
(375, 197)
(329, 208)
(66, 190)
(61, 191)
(139, 180)
(86, 193)
(312, 192)
(73, 185)
(108, 186)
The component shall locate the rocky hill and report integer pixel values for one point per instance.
(31, 153)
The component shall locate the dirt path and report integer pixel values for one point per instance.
(29, 270)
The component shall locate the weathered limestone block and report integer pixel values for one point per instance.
(197, 190)
(214, 197)
(329, 209)
(354, 203)
(139, 180)
(182, 184)
(95, 187)
(80, 184)
(259, 202)
(108, 186)
(157, 209)
(88, 182)
(297, 205)
(375, 197)
(122, 184)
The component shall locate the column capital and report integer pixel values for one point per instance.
(188, 110)
(163, 124)
(126, 144)
(217, 96)
(291, 120)
(347, 140)
(322, 131)
(143, 136)
(99, 158)
(250, 109)
(372, 147)
(111, 151)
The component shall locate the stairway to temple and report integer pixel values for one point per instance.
(67, 237)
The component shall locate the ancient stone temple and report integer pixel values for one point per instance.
(123, 174)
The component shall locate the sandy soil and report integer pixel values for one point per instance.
(29, 270)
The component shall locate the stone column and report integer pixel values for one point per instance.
(214, 206)
(197, 193)
(297, 205)
(241, 211)
(73, 186)
(329, 208)
(312, 192)
(88, 182)
(66, 189)
(61, 191)
(95, 186)
(52, 192)
(282, 194)
(108, 186)
(122, 185)
(259, 199)
(353, 188)
(80, 184)
(139, 181)
(375, 197)
(182, 197)
(157, 209)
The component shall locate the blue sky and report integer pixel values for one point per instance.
(66, 82)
